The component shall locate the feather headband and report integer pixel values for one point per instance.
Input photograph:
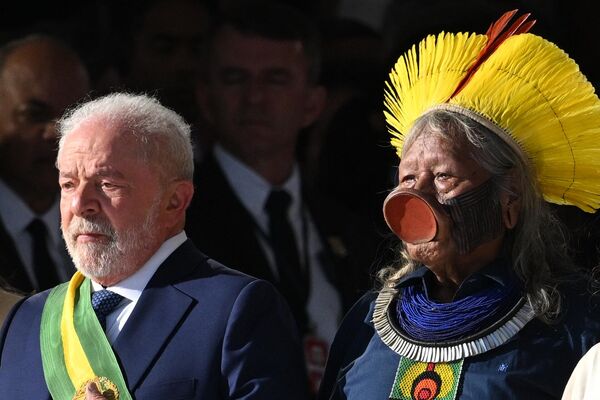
(519, 85)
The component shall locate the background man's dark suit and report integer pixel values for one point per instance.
(11, 266)
(199, 331)
(222, 228)
(12, 269)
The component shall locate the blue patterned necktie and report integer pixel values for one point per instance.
(103, 303)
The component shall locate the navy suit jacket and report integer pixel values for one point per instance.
(199, 331)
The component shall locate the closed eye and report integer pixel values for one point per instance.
(108, 186)
(407, 180)
(67, 185)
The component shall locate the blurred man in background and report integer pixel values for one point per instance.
(39, 78)
(253, 211)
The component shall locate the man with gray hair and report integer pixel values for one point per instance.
(146, 315)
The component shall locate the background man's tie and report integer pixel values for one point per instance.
(292, 280)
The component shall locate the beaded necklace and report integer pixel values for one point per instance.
(428, 321)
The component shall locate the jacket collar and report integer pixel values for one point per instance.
(498, 272)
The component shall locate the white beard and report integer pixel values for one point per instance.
(117, 256)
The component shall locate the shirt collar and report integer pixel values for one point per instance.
(132, 286)
(497, 272)
(17, 215)
(251, 188)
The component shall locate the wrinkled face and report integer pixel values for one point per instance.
(37, 84)
(110, 202)
(444, 170)
(258, 95)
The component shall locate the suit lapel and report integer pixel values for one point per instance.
(156, 316)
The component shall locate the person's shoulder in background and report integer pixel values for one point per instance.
(8, 298)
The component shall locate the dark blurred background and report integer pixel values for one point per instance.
(91, 26)
(346, 153)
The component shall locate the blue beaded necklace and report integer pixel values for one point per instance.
(428, 321)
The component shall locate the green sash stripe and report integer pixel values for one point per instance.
(53, 359)
(94, 341)
(92, 337)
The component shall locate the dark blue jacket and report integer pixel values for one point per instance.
(534, 364)
(199, 331)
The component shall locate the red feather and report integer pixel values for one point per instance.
(496, 36)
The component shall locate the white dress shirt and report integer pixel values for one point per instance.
(584, 383)
(324, 305)
(17, 216)
(131, 287)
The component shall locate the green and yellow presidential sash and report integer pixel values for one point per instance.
(74, 347)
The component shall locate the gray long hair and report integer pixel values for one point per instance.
(537, 245)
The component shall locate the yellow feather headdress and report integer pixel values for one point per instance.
(533, 94)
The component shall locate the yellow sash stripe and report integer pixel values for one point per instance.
(77, 364)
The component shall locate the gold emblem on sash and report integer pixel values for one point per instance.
(104, 385)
